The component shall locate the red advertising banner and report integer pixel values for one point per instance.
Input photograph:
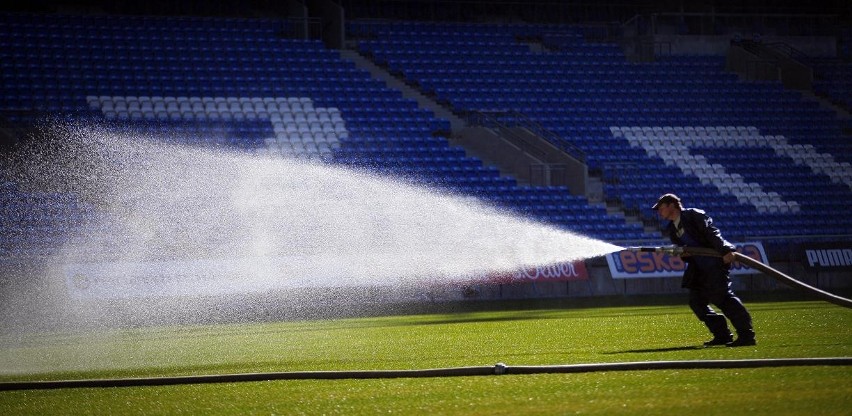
(559, 272)
(631, 265)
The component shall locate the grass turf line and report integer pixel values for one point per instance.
(517, 337)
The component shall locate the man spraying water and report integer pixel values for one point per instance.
(707, 277)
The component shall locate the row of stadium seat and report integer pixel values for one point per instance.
(329, 90)
(782, 126)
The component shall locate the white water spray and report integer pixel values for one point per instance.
(172, 220)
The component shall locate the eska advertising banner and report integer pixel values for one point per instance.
(635, 265)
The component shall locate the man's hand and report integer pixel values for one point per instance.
(728, 258)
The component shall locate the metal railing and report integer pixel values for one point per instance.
(762, 69)
(788, 51)
(495, 120)
(704, 23)
(505, 120)
(531, 11)
(302, 28)
(548, 173)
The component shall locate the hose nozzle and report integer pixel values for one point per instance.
(670, 250)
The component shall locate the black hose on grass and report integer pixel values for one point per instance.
(498, 369)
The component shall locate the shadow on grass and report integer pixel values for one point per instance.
(652, 350)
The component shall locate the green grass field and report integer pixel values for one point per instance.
(527, 335)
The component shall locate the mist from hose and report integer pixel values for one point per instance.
(166, 220)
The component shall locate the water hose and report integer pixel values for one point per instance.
(777, 275)
(497, 369)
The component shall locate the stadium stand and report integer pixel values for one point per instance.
(35, 224)
(238, 83)
(763, 159)
(834, 80)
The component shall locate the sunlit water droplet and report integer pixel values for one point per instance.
(178, 221)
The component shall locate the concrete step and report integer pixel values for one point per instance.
(652, 230)
(594, 191)
(457, 124)
(615, 211)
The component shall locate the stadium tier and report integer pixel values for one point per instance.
(764, 161)
(834, 80)
(237, 82)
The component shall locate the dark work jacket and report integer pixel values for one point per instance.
(703, 273)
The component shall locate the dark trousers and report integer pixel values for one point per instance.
(730, 305)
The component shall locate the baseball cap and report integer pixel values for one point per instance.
(666, 199)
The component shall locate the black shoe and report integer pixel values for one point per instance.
(719, 341)
(743, 342)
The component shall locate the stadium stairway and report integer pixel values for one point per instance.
(456, 123)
